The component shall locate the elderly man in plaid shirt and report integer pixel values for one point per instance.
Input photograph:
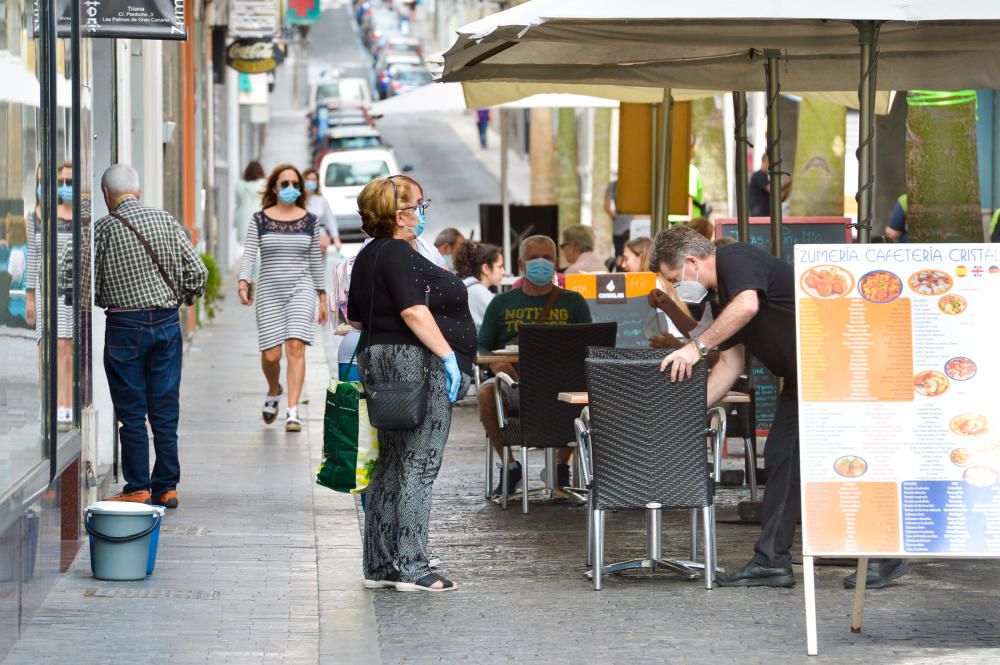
(145, 268)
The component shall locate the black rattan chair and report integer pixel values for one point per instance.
(647, 450)
(551, 361)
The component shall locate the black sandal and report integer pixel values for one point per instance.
(425, 584)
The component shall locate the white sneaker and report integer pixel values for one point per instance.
(292, 423)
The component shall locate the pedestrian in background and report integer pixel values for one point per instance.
(483, 123)
(480, 265)
(145, 268)
(619, 222)
(287, 239)
(578, 250)
(448, 242)
(704, 227)
(248, 193)
(317, 204)
(417, 327)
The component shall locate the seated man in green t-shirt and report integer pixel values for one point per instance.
(504, 315)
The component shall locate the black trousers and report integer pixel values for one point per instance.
(782, 507)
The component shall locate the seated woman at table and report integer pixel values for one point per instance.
(538, 300)
(480, 265)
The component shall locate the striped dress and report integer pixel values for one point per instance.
(64, 238)
(291, 272)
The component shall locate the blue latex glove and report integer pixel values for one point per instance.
(453, 376)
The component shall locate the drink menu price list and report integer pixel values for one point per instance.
(896, 352)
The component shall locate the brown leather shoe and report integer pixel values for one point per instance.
(139, 496)
(168, 499)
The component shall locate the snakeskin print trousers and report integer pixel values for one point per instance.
(398, 507)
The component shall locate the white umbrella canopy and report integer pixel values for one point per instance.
(441, 97)
(720, 44)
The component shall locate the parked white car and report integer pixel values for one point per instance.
(343, 175)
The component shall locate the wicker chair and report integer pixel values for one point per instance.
(646, 448)
(551, 361)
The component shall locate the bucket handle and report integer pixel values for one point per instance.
(120, 539)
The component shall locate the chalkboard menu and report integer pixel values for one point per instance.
(618, 297)
(794, 231)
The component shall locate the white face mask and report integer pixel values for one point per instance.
(690, 291)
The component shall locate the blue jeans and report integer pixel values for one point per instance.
(142, 358)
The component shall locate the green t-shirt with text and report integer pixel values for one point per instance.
(509, 310)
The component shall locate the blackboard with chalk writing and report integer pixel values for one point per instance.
(618, 297)
(794, 231)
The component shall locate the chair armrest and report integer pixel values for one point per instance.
(504, 382)
(583, 450)
(717, 433)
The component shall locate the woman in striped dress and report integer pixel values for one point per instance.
(64, 330)
(289, 285)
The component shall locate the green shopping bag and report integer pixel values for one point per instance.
(350, 443)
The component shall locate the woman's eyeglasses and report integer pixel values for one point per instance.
(422, 204)
(288, 183)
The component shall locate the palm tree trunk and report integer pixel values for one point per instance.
(567, 176)
(710, 156)
(603, 244)
(819, 160)
(942, 174)
(543, 167)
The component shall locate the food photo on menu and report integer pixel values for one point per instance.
(896, 366)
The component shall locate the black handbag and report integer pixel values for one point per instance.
(397, 405)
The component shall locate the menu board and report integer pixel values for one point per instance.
(618, 297)
(899, 430)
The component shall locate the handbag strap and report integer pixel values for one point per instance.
(150, 251)
(544, 316)
(371, 310)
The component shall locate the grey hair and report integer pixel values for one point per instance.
(673, 244)
(582, 236)
(531, 240)
(120, 179)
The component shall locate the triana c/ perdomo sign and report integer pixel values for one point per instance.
(254, 56)
(126, 19)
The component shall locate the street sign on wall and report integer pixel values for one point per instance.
(253, 18)
(126, 19)
(302, 12)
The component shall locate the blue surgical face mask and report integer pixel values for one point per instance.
(38, 191)
(311, 185)
(421, 222)
(449, 261)
(66, 193)
(539, 271)
(690, 291)
(289, 195)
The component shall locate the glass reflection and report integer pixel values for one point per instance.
(21, 441)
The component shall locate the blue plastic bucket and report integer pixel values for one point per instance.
(123, 539)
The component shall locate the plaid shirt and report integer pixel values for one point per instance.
(125, 277)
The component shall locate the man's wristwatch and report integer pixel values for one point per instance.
(700, 346)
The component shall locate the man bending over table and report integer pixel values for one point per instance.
(504, 315)
(756, 294)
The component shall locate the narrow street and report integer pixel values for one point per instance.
(259, 565)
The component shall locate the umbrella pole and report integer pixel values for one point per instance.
(868, 32)
(504, 193)
(742, 177)
(774, 147)
(663, 156)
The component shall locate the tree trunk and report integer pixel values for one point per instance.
(710, 155)
(543, 167)
(567, 176)
(603, 244)
(818, 188)
(942, 174)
